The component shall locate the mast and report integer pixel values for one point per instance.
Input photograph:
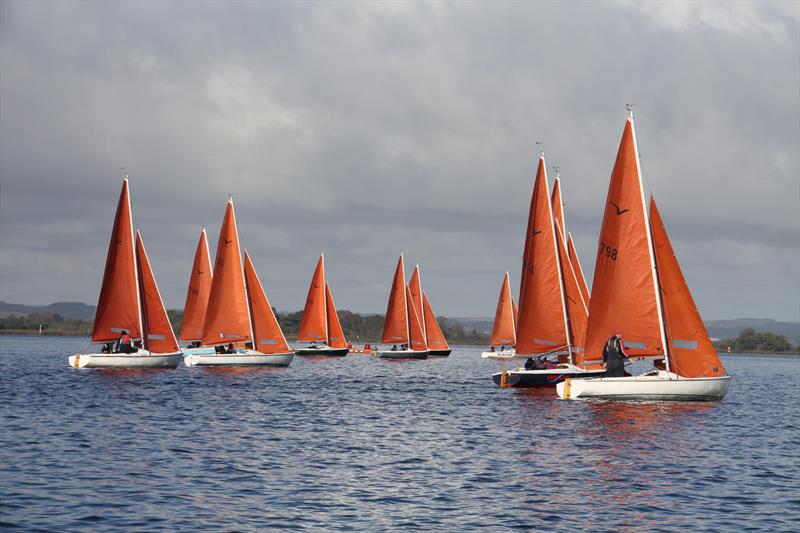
(135, 265)
(656, 285)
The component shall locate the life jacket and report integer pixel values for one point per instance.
(125, 339)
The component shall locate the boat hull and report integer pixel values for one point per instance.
(504, 354)
(329, 352)
(439, 353)
(206, 357)
(403, 354)
(661, 386)
(141, 359)
(543, 378)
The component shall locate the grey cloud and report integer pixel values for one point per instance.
(362, 129)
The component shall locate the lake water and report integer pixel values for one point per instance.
(365, 444)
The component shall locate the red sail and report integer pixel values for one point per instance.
(624, 287)
(395, 326)
(577, 310)
(227, 315)
(314, 325)
(267, 332)
(576, 265)
(335, 334)
(504, 331)
(558, 209)
(691, 353)
(516, 315)
(434, 336)
(159, 337)
(542, 326)
(194, 310)
(118, 306)
(417, 337)
(415, 286)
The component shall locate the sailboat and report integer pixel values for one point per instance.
(639, 289)
(194, 310)
(238, 311)
(402, 324)
(551, 306)
(130, 301)
(504, 330)
(434, 337)
(320, 324)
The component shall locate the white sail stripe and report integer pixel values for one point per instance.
(688, 345)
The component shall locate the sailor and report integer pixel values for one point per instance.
(124, 343)
(614, 354)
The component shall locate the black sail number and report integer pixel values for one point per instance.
(608, 251)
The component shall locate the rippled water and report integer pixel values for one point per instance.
(365, 444)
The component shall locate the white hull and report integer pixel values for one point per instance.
(206, 357)
(503, 354)
(403, 354)
(140, 359)
(662, 385)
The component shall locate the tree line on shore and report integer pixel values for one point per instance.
(367, 328)
(357, 328)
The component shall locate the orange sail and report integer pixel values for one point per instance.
(159, 337)
(416, 336)
(504, 331)
(434, 337)
(395, 326)
(267, 332)
(227, 317)
(415, 286)
(314, 324)
(516, 315)
(335, 334)
(558, 209)
(577, 310)
(624, 294)
(194, 310)
(691, 353)
(118, 306)
(576, 265)
(542, 316)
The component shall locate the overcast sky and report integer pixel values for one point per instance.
(363, 129)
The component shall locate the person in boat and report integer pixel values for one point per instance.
(491, 349)
(614, 355)
(124, 343)
(394, 347)
(530, 364)
(660, 364)
(106, 348)
(229, 348)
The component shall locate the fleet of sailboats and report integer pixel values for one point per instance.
(639, 296)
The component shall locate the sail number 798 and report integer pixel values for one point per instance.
(608, 251)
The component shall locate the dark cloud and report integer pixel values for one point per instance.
(361, 129)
